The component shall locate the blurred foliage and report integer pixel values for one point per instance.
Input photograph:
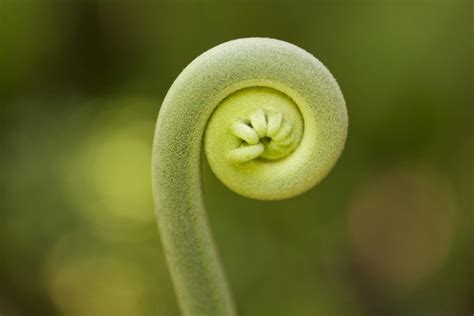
(389, 232)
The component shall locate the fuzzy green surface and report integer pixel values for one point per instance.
(253, 62)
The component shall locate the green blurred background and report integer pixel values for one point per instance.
(389, 232)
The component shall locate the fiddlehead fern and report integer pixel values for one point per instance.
(274, 123)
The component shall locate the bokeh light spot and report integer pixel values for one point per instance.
(85, 283)
(108, 177)
(401, 226)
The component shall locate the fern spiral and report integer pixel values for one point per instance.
(272, 121)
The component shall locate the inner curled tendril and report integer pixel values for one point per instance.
(265, 134)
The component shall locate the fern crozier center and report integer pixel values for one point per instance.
(264, 134)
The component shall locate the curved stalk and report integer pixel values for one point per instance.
(274, 123)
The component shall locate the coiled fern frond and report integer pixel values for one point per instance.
(273, 123)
